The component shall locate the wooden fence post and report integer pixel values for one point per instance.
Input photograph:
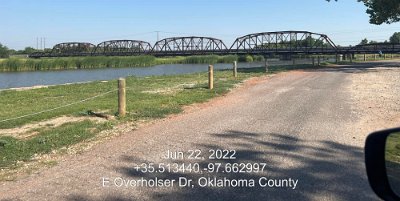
(121, 97)
(235, 69)
(210, 76)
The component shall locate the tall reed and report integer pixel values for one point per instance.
(63, 63)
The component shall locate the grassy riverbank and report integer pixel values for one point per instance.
(63, 63)
(147, 98)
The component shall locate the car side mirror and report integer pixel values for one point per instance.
(382, 160)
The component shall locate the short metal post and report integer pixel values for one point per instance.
(235, 69)
(210, 76)
(121, 97)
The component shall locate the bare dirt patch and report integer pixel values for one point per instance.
(172, 90)
(30, 130)
(29, 88)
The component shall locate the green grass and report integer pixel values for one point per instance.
(393, 148)
(63, 63)
(147, 98)
(392, 158)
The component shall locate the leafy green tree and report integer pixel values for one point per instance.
(28, 50)
(12, 52)
(364, 41)
(249, 58)
(395, 38)
(4, 52)
(307, 41)
(382, 11)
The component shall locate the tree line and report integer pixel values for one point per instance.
(395, 38)
(5, 52)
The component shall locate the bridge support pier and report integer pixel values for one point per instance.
(318, 60)
(266, 65)
(374, 57)
(313, 61)
(365, 57)
(391, 56)
(351, 58)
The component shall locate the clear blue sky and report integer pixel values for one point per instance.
(345, 22)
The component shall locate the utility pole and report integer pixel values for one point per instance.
(158, 37)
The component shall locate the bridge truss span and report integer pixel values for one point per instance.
(282, 42)
(122, 48)
(72, 49)
(191, 45)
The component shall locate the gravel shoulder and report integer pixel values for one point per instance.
(308, 126)
(375, 93)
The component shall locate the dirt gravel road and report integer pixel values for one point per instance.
(308, 127)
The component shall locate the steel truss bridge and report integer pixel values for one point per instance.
(265, 43)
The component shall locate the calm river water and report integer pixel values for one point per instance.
(29, 79)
